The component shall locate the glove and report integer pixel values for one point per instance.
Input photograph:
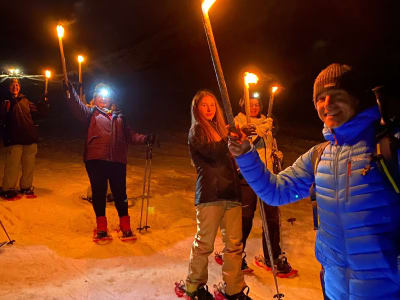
(249, 130)
(150, 139)
(238, 143)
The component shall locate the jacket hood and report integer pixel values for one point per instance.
(352, 129)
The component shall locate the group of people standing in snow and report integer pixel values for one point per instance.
(358, 239)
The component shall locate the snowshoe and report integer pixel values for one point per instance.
(29, 193)
(126, 236)
(101, 237)
(283, 268)
(2, 244)
(10, 195)
(219, 293)
(201, 293)
(86, 198)
(218, 258)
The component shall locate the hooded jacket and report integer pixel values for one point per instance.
(17, 122)
(108, 133)
(217, 178)
(358, 242)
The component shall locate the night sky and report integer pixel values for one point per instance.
(155, 55)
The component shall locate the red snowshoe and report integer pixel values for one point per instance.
(10, 195)
(201, 292)
(283, 268)
(28, 193)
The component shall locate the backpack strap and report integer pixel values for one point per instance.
(315, 159)
(387, 157)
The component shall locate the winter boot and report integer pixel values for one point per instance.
(101, 233)
(201, 293)
(125, 232)
(243, 295)
(29, 193)
(245, 268)
(10, 195)
(283, 267)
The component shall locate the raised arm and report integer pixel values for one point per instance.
(80, 110)
(288, 186)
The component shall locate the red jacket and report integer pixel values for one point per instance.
(108, 134)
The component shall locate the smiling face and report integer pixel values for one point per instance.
(254, 107)
(14, 87)
(335, 107)
(102, 102)
(207, 107)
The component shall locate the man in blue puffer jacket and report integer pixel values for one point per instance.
(358, 241)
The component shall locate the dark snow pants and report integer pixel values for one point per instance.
(99, 171)
(249, 205)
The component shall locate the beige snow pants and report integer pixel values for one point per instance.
(228, 216)
(18, 156)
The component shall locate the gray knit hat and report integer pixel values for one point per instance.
(338, 76)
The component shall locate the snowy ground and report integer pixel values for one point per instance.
(55, 258)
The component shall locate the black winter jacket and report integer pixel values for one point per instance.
(16, 121)
(217, 178)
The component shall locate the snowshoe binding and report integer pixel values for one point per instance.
(219, 293)
(201, 293)
(218, 258)
(28, 193)
(283, 268)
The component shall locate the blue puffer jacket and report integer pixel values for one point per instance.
(358, 242)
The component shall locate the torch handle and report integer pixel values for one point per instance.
(218, 70)
(270, 105)
(247, 102)
(46, 83)
(64, 67)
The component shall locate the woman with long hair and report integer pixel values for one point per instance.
(217, 201)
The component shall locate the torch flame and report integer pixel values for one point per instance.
(47, 73)
(205, 6)
(60, 31)
(274, 89)
(80, 58)
(250, 78)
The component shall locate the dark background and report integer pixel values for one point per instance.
(155, 55)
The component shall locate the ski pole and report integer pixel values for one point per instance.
(268, 241)
(150, 156)
(143, 193)
(9, 239)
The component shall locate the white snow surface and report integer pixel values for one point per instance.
(54, 256)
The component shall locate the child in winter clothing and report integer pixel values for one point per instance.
(105, 155)
(217, 200)
(20, 137)
(259, 130)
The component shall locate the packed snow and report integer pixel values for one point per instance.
(54, 256)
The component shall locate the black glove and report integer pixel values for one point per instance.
(150, 139)
(249, 130)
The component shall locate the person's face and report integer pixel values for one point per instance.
(14, 88)
(254, 107)
(207, 107)
(102, 102)
(336, 107)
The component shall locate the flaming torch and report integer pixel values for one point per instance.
(216, 62)
(60, 33)
(274, 89)
(47, 75)
(80, 60)
(248, 79)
